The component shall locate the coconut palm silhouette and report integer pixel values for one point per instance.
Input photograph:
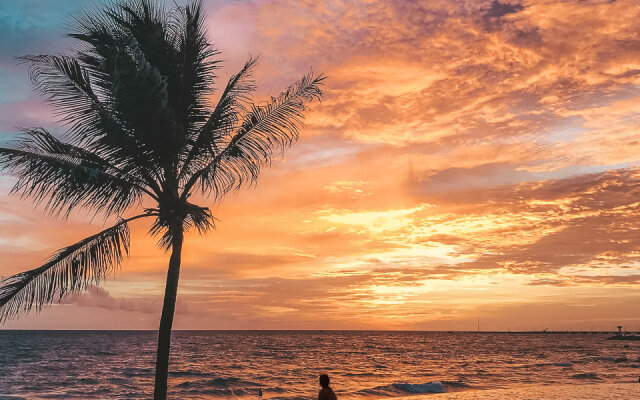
(139, 127)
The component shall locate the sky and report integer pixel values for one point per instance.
(471, 159)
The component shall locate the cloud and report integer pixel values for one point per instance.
(97, 297)
(481, 176)
(499, 9)
(544, 226)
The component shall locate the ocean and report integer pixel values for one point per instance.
(286, 365)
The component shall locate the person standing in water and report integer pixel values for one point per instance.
(326, 393)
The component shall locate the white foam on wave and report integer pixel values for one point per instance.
(432, 387)
(563, 364)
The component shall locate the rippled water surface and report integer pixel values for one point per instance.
(285, 365)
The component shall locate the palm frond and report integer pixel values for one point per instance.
(130, 60)
(266, 130)
(233, 101)
(195, 69)
(91, 121)
(157, 67)
(67, 86)
(66, 176)
(39, 140)
(69, 270)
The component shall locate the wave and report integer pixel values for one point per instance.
(222, 387)
(401, 389)
(135, 372)
(230, 382)
(104, 353)
(358, 374)
(216, 392)
(586, 376)
(432, 387)
(190, 372)
(554, 364)
(563, 364)
(188, 390)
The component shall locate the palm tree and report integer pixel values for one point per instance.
(139, 127)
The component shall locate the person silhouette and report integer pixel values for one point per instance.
(326, 393)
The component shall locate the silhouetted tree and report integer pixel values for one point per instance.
(134, 100)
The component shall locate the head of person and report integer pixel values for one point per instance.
(324, 380)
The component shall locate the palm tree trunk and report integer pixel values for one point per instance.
(166, 321)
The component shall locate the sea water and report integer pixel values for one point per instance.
(286, 364)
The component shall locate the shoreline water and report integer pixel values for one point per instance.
(586, 391)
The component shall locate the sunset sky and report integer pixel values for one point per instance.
(470, 159)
